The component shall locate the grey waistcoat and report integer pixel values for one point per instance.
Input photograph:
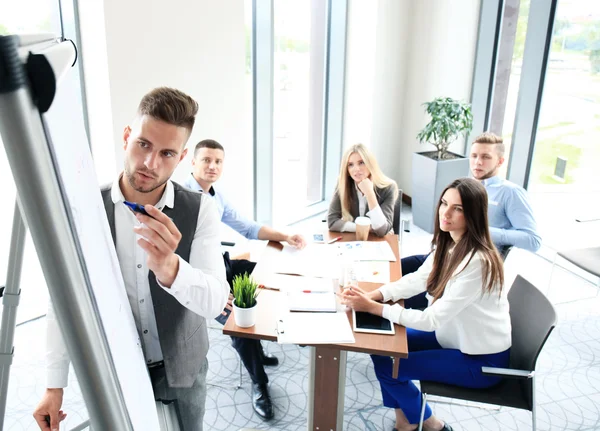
(182, 333)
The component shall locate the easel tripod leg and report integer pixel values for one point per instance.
(10, 301)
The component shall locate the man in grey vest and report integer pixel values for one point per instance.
(170, 260)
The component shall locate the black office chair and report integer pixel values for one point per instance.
(397, 221)
(533, 318)
(504, 251)
(239, 385)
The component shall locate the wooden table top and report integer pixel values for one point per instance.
(271, 302)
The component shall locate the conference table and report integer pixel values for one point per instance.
(327, 367)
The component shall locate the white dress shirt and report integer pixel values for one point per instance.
(464, 318)
(200, 285)
(376, 215)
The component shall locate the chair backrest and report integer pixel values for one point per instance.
(504, 251)
(397, 221)
(533, 318)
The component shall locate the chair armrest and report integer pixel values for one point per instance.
(509, 373)
(227, 243)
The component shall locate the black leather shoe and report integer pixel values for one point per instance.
(261, 401)
(270, 360)
(445, 428)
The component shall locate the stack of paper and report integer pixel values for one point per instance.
(294, 283)
(311, 328)
(312, 301)
(303, 293)
(315, 261)
(372, 271)
(367, 250)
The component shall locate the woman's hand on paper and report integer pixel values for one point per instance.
(355, 298)
(160, 238)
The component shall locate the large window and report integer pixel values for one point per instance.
(567, 150)
(29, 16)
(564, 179)
(508, 71)
(300, 34)
(544, 100)
(298, 82)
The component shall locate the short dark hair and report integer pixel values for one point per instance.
(171, 106)
(491, 138)
(208, 143)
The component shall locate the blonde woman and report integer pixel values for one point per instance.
(362, 190)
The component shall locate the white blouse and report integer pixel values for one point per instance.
(464, 318)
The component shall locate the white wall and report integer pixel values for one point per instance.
(196, 46)
(360, 71)
(393, 44)
(402, 53)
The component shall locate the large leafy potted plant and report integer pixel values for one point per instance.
(245, 292)
(432, 171)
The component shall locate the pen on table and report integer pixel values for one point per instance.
(262, 286)
(314, 291)
(331, 241)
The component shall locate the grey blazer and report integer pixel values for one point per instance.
(385, 198)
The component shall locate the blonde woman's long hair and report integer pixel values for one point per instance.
(346, 188)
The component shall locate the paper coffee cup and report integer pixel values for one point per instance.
(363, 225)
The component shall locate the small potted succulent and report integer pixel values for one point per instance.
(245, 292)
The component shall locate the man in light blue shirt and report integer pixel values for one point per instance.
(510, 215)
(207, 166)
(509, 212)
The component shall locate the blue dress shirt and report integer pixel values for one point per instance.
(244, 226)
(510, 215)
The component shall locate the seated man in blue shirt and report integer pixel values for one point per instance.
(509, 213)
(207, 165)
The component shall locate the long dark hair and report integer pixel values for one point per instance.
(476, 239)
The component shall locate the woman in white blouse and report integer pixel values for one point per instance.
(466, 325)
(362, 190)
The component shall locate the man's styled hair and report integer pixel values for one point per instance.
(171, 106)
(493, 139)
(208, 143)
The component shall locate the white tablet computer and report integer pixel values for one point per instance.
(367, 322)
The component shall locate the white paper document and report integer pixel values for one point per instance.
(315, 260)
(294, 283)
(367, 250)
(312, 301)
(372, 271)
(314, 328)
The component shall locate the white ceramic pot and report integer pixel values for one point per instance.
(244, 317)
